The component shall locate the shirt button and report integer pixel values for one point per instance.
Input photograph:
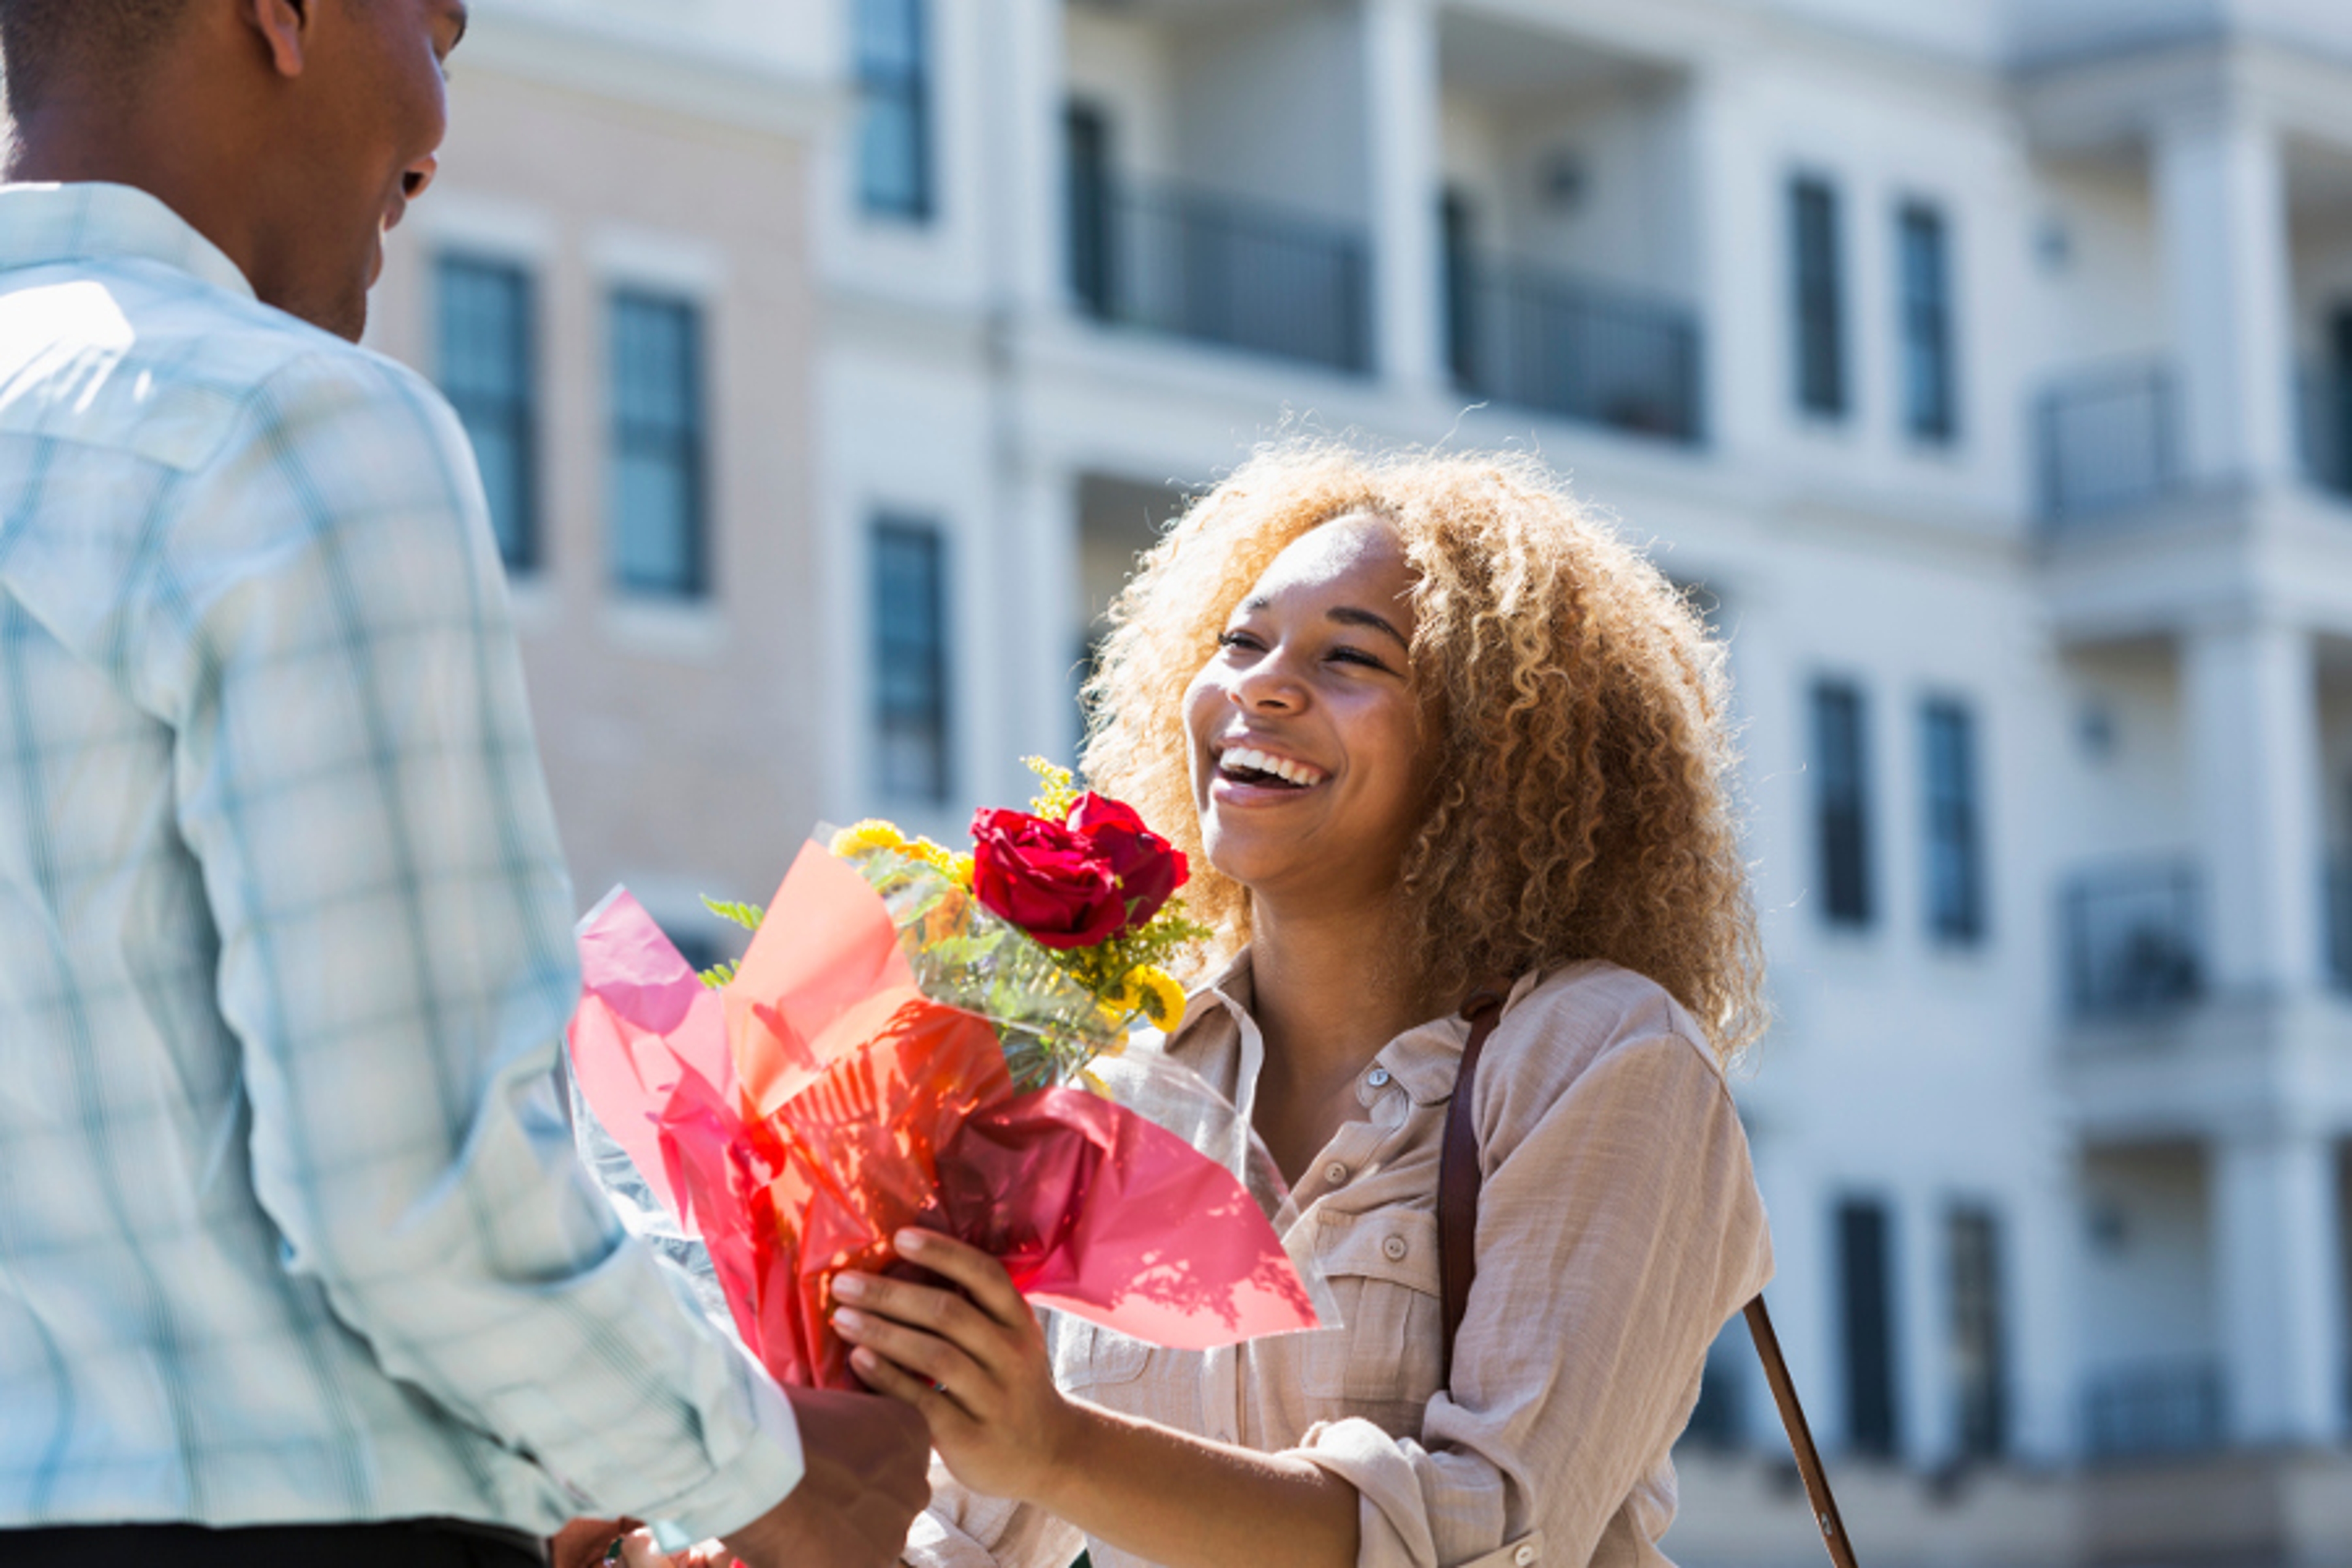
(1523, 1555)
(1335, 1173)
(1379, 1079)
(1394, 1246)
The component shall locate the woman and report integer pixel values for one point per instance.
(1425, 722)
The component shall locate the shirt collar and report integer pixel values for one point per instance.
(43, 225)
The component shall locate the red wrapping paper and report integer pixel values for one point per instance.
(799, 1117)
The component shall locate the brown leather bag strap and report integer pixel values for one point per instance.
(1800, 1435)
(1458, 1178)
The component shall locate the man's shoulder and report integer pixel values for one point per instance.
(141, 357)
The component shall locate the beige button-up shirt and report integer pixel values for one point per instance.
(1618, 1228)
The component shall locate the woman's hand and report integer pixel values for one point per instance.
(974, 1364)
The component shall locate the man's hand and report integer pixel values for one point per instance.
(867, 1459)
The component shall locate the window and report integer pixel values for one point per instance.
(657, 488)
(486, 373)
(1929, 393)
(1820, 305)
(1719, 1420)
(910, 661)
(1976, 1348)
(894, 109)
(1865, 1293)
(1955, 840)
(1086, 130)
(1841, 797)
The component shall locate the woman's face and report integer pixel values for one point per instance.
(1305, 726)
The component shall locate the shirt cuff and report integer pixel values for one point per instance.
(760, 1473)
(1392, 1524)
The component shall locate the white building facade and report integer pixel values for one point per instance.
(1986, 368)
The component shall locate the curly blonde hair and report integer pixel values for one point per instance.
(1575, 703)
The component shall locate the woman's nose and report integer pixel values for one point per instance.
(1267, 686)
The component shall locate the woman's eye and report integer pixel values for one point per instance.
(1357, 655)
(1237, 640)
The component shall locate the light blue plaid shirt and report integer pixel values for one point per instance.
(290, 1226)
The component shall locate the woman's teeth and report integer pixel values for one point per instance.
(1242, 759)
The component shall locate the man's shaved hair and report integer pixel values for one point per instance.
(46, 42)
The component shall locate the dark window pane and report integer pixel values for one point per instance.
(1927, 377)
(657, 544)
(485, 333)
(1087, 150)
(910, 665)
(1955, 840)
(894, 158)
(1977, 1348)
(1867, 1294)
(1842, 802)
(1819, 303)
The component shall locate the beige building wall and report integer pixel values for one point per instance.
(680, 736)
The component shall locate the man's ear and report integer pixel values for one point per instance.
(284, 27)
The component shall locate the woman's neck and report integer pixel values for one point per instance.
(1327, 995)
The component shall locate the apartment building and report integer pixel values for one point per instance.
(1984, 367)
(611, 280)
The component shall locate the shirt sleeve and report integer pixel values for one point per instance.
(964, 1529)
(356, 776)
(1614, 1238)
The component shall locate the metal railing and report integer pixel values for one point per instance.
(1222, 270)
(2156, 1409)
(2326, 410)
(2109, 439)
(2134, 939)
(1571, 346)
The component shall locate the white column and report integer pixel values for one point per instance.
(1035, 628)
(2279, 1261)
(2221, 205)
(2254, 747)
(1021, 88)
(1401, 136)
(1745, 309)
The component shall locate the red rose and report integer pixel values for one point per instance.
(1147, 867)
(1048, 880)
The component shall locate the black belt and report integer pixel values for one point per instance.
(396, 1544)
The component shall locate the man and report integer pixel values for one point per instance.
(295, 1265)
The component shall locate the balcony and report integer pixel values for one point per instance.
(2134, 942)
(1219, 270)
(1569, 346)
(2156, 1408)
(2109, 440)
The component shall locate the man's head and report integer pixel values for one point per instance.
(290, 133)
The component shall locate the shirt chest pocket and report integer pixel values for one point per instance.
(1382, 1268)
(1087, 1355)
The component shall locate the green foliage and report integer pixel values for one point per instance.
(747, 916)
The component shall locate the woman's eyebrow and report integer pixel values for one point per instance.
(1348, 615)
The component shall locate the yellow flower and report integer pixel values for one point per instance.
(871, 834)
(940, 858)
(1122, 1001)
(1161, 999)
(962, 868)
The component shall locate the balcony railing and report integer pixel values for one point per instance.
(2109, 439)
(2326, 421)
(2158, 1409)
(2134, 942)
(1569, 346)
(1222, 270)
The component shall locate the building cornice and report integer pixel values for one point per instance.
(652, 70)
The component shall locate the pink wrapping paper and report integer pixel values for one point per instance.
(799, 1117)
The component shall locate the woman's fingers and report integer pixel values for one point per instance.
(941, 1362)
(991, 1288)
(934, 1402)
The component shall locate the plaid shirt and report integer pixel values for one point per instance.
(290, 1228)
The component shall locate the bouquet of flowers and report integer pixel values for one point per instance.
(921, 1036)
